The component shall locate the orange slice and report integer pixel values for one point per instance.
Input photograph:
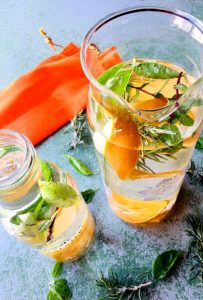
(135, 211)
(78, 245)
(150, 104)
(120, 150)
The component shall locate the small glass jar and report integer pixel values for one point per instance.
(62, 233)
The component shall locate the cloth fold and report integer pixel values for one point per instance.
(47, 97)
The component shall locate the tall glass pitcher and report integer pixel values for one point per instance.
(145, 106)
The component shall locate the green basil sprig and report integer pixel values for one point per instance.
(88, 195)
(78, 165)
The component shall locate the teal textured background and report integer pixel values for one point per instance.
(24, 274)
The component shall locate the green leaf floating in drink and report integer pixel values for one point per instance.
(155, 71)
(47, 170)
(7, 149)
(173, 138)
(164, 263)
(58, 194)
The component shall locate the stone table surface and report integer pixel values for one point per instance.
(24, 274)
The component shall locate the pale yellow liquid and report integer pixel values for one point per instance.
(140, 196)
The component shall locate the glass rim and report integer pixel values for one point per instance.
(108, 18)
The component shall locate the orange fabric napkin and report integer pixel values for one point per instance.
(47, 97)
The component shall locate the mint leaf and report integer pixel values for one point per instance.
(88, 195)
(28, 219)
(199, 144)
(57, 269)
(44, 213)
(53, 295)
(79, 165)
(173, 138)
(58, 194)
(164, 263)
(110, 73)
(7, 149)
(15, 220)
(47, 171)
(62, 288)
(181, 87)
(186, 120)
(155, 71)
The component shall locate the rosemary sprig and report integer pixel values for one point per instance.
(78, 125)
(167, 136)
(195, 173)
(130, 287)
(118, 290)
(194, 229)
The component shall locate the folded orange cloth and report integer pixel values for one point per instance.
(44, 99)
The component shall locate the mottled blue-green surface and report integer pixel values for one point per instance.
(24, 273)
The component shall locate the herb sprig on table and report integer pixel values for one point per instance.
(77, 125)
(194, 229)
(133, 285)
(195, 173)
(58, 287)
(199, 144)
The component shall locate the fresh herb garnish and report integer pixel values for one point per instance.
(58, 288)
(138, 286)
(88, 195)
(194, 229)
(79, 165)
(77, 124)
(7, 149)
(57, 269)
(164, 263)
(47, 170)
(165, 141)
(155, 71)
(58, 193)
(199, 144)
(195, 173)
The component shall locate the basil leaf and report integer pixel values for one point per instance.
(186, 120)
(79, 165)
(155, 71)
(58, 194)
(28, 219)
(53, 295)
(44, 213)
(15, 220)
(7, 149)
(57, 269)
(47, 171)
(181, 87)
(189, 103)
(173, 138)
(164, 263)
(88, 195)
(110, 73)
(199, 144)
(62, 288)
